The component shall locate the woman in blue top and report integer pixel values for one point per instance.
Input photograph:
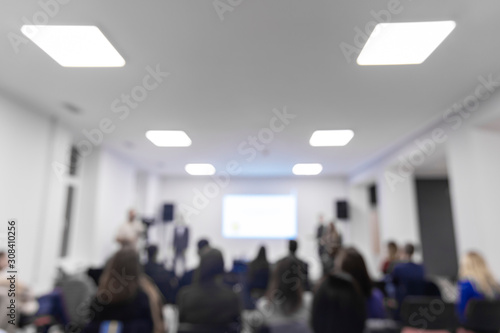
(476, 282)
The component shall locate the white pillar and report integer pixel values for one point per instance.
(474, 172)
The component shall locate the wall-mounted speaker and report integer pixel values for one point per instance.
(372, 190)
(342, 210)
(168, 213)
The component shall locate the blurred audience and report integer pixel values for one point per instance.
(207, 301)
(351, 262)
(475, 282)
(126, 295)
(338, 306)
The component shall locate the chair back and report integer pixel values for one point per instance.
(289, 327)
(203, 328)
(428, 313)
(483, 316)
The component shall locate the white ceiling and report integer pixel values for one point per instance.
(227, 76)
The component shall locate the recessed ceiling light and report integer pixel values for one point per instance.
(74, 46)
(408, 43)
(307, 169)
(169, 138)
(331, 138)
(200, 169)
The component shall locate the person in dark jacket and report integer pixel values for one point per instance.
(127, 296)
(351, 262)
(259, 272)
(207, 301)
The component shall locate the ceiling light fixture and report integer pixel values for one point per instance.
(169, 138)
(307, 169)
(200, 169)
(331, 138)
(407, 43)
(74, 46)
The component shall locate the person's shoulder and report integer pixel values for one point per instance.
(465, 284)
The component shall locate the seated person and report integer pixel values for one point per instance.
(207, 301)
(166, 281)
(475, 282)
(338, 306)
(285, 301)
(258, 272)
(126, 295)
(392, 258)
(350, 261)
(293, 245)
(408, 277)
(187, 278)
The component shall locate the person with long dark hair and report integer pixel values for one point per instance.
(258, 273)
(285, 301)
(127, 296)
(338, 306)
(351, 262)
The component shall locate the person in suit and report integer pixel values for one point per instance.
(338, 306)
(475, 282)
(207, 301)
(407, 270)
(351, 262)
(181, 242)
(407, 278)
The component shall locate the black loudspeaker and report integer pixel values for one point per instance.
(168, 213)
(342, 210)
(372, 189)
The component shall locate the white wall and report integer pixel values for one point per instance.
(363, 227)
(474, 164)
(398, 211)
(31, 193)
(109, 190)
(314, 196)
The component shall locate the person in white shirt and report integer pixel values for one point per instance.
(130, 232)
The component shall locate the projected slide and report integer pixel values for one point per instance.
(259, 216)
